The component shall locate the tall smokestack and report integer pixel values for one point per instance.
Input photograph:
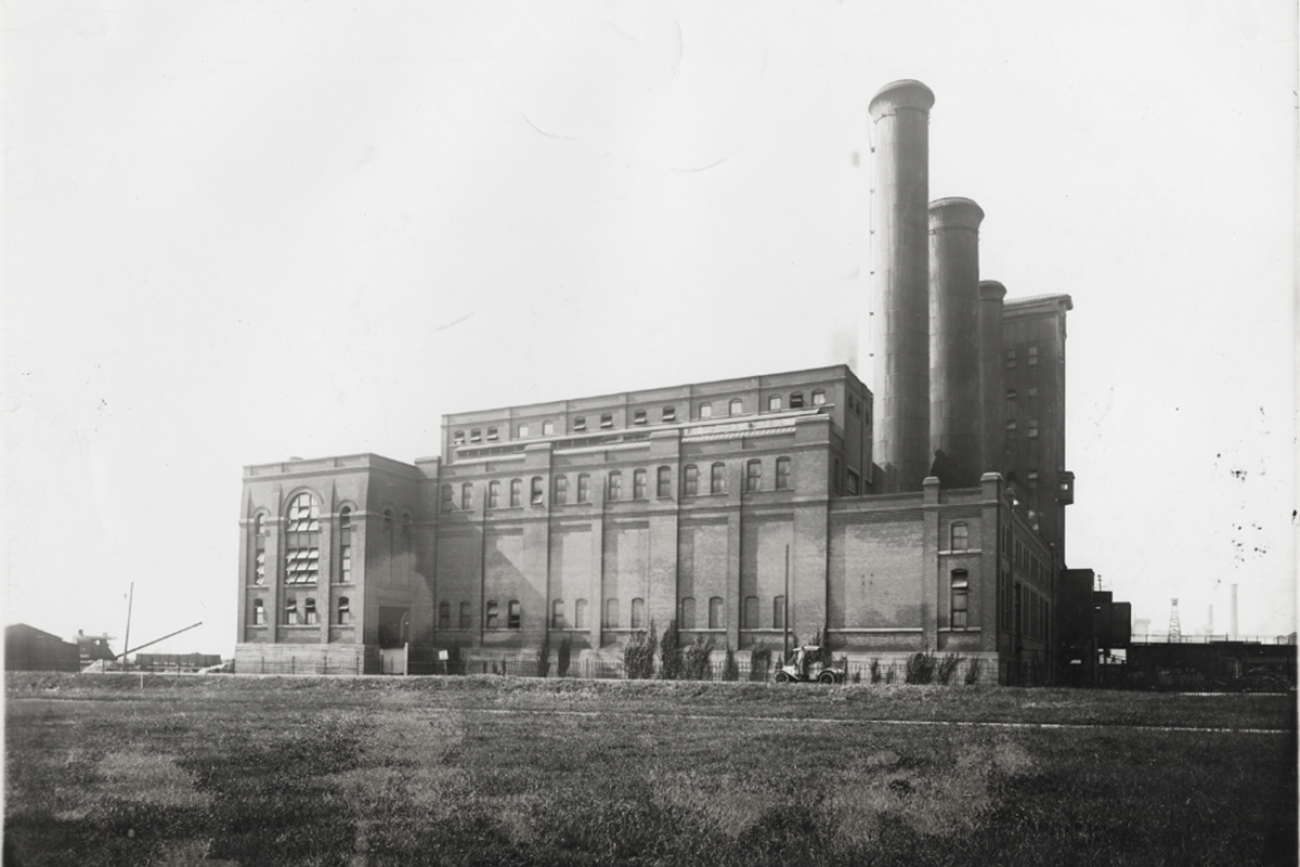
(991, 379)
(900, 284)
(955, 405)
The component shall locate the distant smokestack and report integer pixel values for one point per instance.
(991, 395)
(1232, 612)
(900, 284)
(955, 339)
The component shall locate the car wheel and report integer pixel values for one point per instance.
(826, 677)
(782, 677)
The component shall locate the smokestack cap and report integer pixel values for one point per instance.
(904, 93)
(992, 290)
(955, 213)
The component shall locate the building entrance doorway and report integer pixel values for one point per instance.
(394, 638)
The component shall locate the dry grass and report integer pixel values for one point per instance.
(373, 771)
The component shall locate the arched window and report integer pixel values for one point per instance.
(538, 494)
(291, 612)
(514, 616)
(344, 612)
(302, 541)
(580, 423)
(736, 407)
(753, 475)
(345, 545)
(751, 612)
(467, 496)
(259, 549)
(580, 614)
(782, 474)
(664, 486)
(464, 621)
(561, 490)
(778, 612)
(960, 592)
(615, 485)
(490, 615)
(557, 614)
(718, 479)
(494, 494)
(448, 498)
(638, 613)
(259, 612)
(584, 487)
(516, 492)
(606, 421)
(960, 536)
(687, 616)
(611, 613)
(774, 403)
(690, 480)
(444, 615)
(716, 617)
(638, 484)
(669, 414)
(309, 611)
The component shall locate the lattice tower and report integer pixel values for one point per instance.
(1175, 630)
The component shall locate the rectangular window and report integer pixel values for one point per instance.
(853, 481)
(580, 423)
(796, 400)
(259, 613)
(664, 485)
(490, 616)
(309, 612)
(492, 435)
(638, 485)
(669, 414)
(706, 410)
(606, 421)
(818, 397)
(638, 417)
(1032, 432)
(538, 494)
(345, 563)
(548, 428)
(458, 438)
(960, 593)
(774, 403)
(1033, 356)
(1032, 392)
(960, 537)
(782, 473)
(476, 436)
(1011, 356)
(514, 615)
(523, 431)
(1032, 475)
(1011, 430)
(735, 407)
(516, 491)
(561, 490)
(344, 612)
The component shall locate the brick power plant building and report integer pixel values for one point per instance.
(929, 516)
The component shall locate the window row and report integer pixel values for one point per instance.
(616, 489)
(667, 415)
(1031, 393)
(307, 615)
(1031, 355)
(302, 541)
(1031, 429)
(616, 616)
(1022, 611)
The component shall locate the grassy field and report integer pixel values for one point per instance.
(496, 770)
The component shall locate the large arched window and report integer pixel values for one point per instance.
(778, 612)
(615, 485)
(557, 614)
(715, 612)
(690, 480)
(345, 545)
(584, 487)
(751, 612)
(464, 621)
(580, 614)
(259, 612)
(664, 487)
(638, 484)
(782, 473)
(718, 479)
(959, 598)
(344, 611)
(611, 613)
(259, 548)
(561, 490)
(494, 494)
(687, 617)
(638, 613)
(753, 475)
(302, 541)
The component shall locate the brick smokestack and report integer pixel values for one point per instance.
(955, 428)
(991, 380)
(900, 284)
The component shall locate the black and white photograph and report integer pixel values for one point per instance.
(612, 433)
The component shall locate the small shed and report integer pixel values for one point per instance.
(30, 649)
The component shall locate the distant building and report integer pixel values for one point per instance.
(29, 649)
(928, 517)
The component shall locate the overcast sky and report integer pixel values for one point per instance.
(240, 231)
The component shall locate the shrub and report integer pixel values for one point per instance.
(730, 668)
(920, 668)
(973, 671)
(639, 657)
(857, 675)
(670, 653)
(760, 658)
(947, 666)
(563, 656)
(890, 674)
(876, 676)
(696, 665)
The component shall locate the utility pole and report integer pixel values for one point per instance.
(785, 612)
(126, 642)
